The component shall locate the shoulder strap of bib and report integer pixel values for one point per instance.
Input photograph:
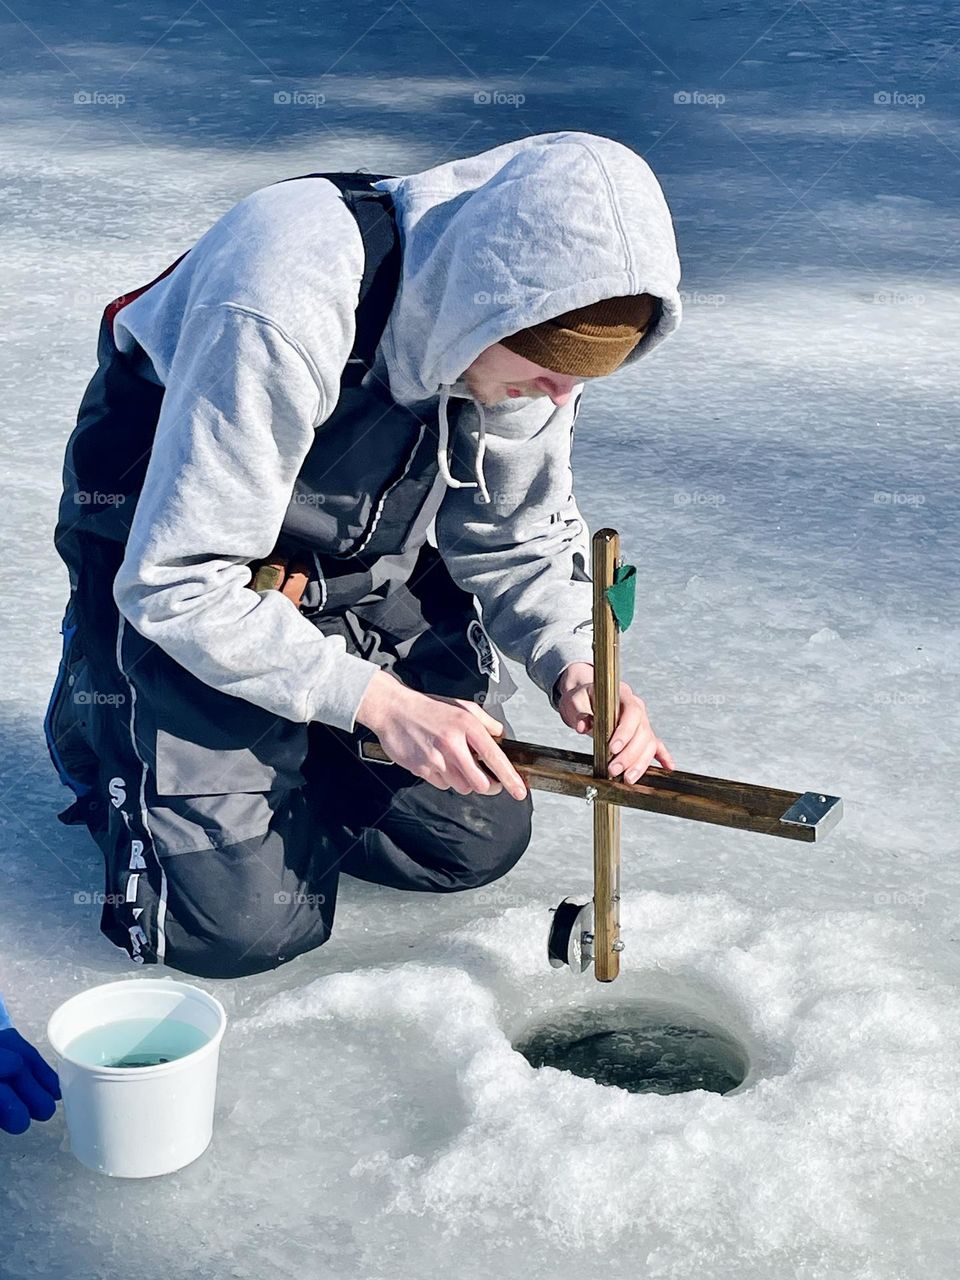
(374, 213)
(376, 219)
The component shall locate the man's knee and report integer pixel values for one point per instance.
(263, 937)
(244, 907)
(498, 844)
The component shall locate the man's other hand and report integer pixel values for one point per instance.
(633, 744)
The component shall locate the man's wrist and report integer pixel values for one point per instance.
(381, 694)
(567, 678)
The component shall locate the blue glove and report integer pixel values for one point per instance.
(29, 1089)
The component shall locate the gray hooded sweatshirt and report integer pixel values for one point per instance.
(249, 335)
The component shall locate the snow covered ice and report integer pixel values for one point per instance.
(852, 1054)
(784, 474)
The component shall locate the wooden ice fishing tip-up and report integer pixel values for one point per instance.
(582, 932)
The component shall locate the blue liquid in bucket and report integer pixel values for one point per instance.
(136, 1042)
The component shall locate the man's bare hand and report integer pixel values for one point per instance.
(633, 744)
(439, 739)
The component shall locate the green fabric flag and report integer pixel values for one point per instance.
(622, 595)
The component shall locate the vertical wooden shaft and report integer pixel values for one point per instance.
(606, 817)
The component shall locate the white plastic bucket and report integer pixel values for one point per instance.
(139, 1121)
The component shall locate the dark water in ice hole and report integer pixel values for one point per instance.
(642, 1049)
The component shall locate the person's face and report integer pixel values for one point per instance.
(498, 374)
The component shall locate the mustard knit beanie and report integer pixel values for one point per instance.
(591, 341)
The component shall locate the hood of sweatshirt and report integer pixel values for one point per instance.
(499, 241)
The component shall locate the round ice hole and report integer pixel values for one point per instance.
(646, 1048)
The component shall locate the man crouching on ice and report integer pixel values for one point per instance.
(319, 482)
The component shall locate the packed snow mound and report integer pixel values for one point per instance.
(852, 1091)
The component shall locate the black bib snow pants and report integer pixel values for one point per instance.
(224, 829)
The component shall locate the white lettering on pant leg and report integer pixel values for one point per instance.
(118, 792)
(141, 805)
(138, 940)
(137, 861)
(132, 882)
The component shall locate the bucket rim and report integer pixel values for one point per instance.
(210, 1046)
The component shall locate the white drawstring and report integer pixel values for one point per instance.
(480, 482)
(481, 449)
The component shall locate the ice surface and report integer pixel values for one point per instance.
(784, 474)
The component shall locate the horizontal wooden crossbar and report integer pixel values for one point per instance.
(792, 815)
